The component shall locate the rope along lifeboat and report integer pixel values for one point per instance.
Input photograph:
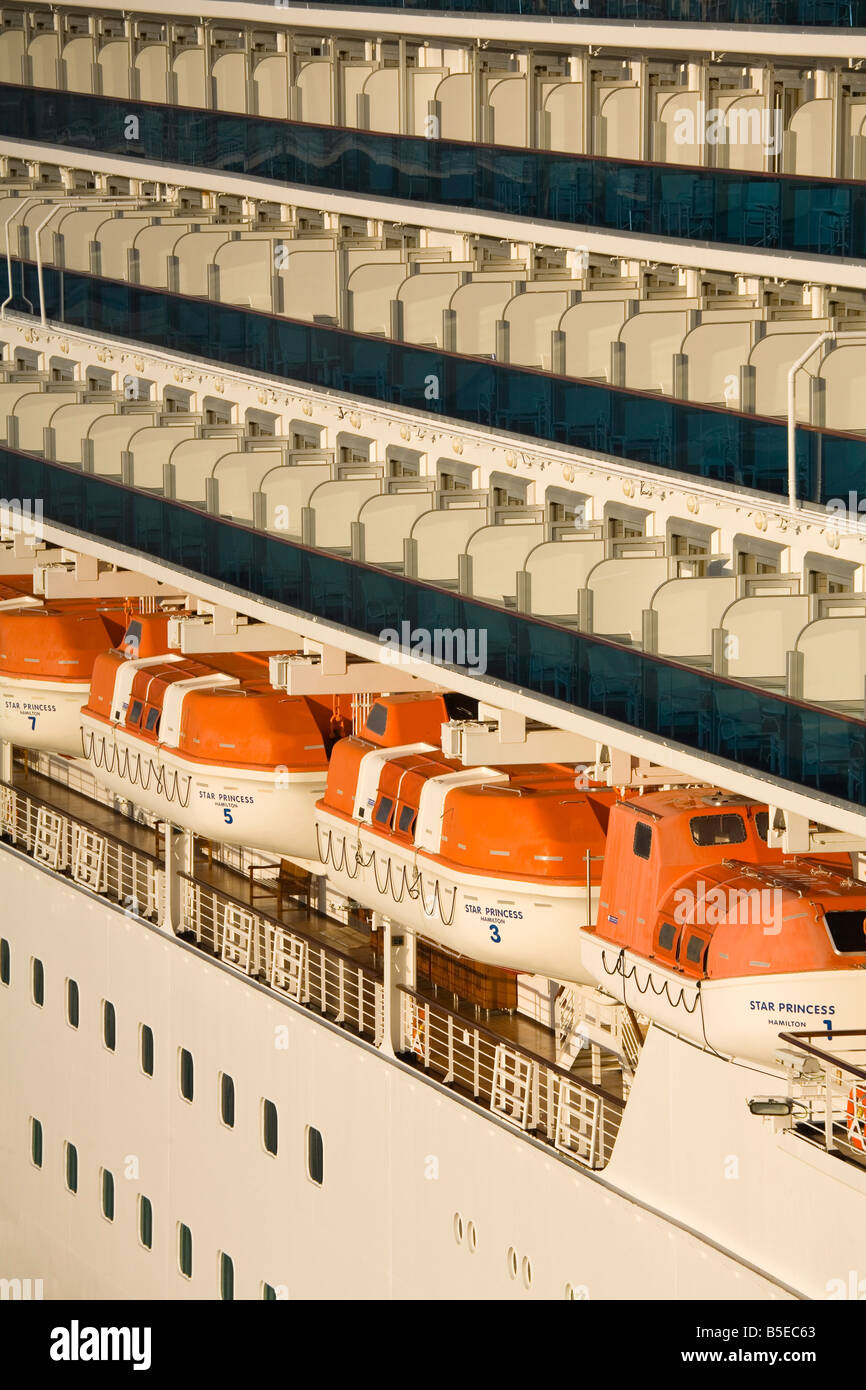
(715, 936)
(209, 745)
(489, 861)
(47, 653)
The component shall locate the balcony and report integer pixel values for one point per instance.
(809, 216)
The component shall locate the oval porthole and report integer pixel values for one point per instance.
(471, 1237)
(458, 1228)
(512, 1262)
(527, 1272)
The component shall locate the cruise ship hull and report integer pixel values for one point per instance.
(404, 1158)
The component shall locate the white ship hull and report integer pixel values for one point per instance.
(661, 1222)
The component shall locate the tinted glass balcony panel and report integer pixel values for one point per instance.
(766, 733)
(846, 14)
(704, 441)
(783, 212)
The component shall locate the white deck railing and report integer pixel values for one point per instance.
(520, 1087)
(828, 1090)
(286, 958)
(517, 1085)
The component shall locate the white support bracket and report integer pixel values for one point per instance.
(224, 631)
(306, 674)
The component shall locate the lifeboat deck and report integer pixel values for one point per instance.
(506, 1061)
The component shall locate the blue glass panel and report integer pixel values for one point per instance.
(785, 212)
(705, 441)
(766, 733)
(846, 14)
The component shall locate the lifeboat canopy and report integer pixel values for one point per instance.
(57, 642)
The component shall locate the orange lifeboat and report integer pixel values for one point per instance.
(706, 930)
(492, 862)
(47, 653)
(208, 744)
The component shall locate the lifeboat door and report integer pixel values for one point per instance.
(629, 916)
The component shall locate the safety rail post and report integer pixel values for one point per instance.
(341, 990)
(449, 1075)
(399, 968)
(828, 1112)
(178, 847)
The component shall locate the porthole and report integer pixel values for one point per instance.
(527, 1272)
(458, 1228)
(471, 1237)
(512, 1262)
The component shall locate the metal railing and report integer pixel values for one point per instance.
(287, 959)
(578, 1119)
(91, 857)
(829, 1090)
(513, 1083)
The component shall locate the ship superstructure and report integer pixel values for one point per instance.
(433, 650)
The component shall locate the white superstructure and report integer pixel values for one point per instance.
(442, 415)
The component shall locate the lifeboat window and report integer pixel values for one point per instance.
(846, 930)
(151, 723)
(134, 716)
(382, 813)
(695, 948)
(762, 824)
(377, 719)
(717, 830)
(667, 936)
(406, 819)
(643, 840)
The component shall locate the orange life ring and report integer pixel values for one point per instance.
(856, 1117)
(418, 1030)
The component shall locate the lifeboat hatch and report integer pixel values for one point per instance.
(370, 771)
(847, 930)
